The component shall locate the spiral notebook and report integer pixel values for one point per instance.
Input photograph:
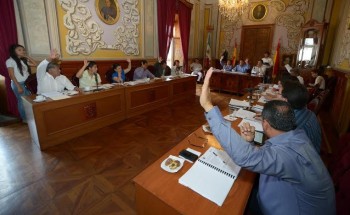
(212, 175)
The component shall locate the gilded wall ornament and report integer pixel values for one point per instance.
(84, 34)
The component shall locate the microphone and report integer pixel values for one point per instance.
(96, 80)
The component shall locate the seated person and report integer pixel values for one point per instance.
(267, 60)
(295, 72)
(158, 70)
(259, 69)
(240, 67)
(49, 76)
(226, 66)
(297, 96)
(165, 69)
(88, 76)
(320, 83)
(293, 178)
(142, 72)
(196, 69)
(247, 64)
(177, 69)
(118, 75)
(278, 95)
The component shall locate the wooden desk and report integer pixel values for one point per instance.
(159, 192)
(53, 122)
(233, 82)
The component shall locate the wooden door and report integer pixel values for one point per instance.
(256, 40)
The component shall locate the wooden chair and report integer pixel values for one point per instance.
(31, 83)
(75, 80)
(108, 75)
(316, 103)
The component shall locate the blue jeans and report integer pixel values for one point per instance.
(19, 99)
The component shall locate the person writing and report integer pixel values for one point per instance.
(142, 71)
(18, 67)
(293, 178)
(49, 76)
(118, 75)
(88, 75)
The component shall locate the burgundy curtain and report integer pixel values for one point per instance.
(166, 16)
(8, 36)
(185, 27)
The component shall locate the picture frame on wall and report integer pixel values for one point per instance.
(108, 11)
(259, 12)
(288, 59)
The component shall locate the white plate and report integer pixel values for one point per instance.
(206, 128)
(166, 168)
(39, 100)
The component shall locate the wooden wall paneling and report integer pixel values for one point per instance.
(255, 41)
(230, 82)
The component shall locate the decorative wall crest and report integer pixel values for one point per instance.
(85, 34)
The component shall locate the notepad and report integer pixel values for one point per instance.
(212, 175)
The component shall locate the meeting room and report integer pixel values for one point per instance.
(175, 107)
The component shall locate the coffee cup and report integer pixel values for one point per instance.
(87, 88)
(39, 97)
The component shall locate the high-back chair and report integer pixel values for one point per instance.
(31, 83)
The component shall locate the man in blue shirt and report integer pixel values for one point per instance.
(297, 96)
(293, 178)
(241, 67)
(142, 71)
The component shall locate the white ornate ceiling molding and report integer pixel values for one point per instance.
(344, 52)
(292, 19)
(127, 34)
(84, 34)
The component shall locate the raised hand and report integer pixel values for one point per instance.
(86, 63)
(247, 132)
(128, 60)
(53, 54)
(205, 99)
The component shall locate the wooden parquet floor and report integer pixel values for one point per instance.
(91, 174)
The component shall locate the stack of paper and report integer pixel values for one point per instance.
(234, 103)
(257, 108)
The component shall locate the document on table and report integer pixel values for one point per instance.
(245, 114)
(256, 123)
(238, 103)
(212, 175)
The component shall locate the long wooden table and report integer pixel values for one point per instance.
(53, 122)
(159, 192)
(233, 81)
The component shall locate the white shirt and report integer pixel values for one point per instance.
(321, 82)
(86, 80)
(47, 83)
(196, 67)
(267, 60)
(259, 70)
(11, 63)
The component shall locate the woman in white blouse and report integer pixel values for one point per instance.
(18, 67)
